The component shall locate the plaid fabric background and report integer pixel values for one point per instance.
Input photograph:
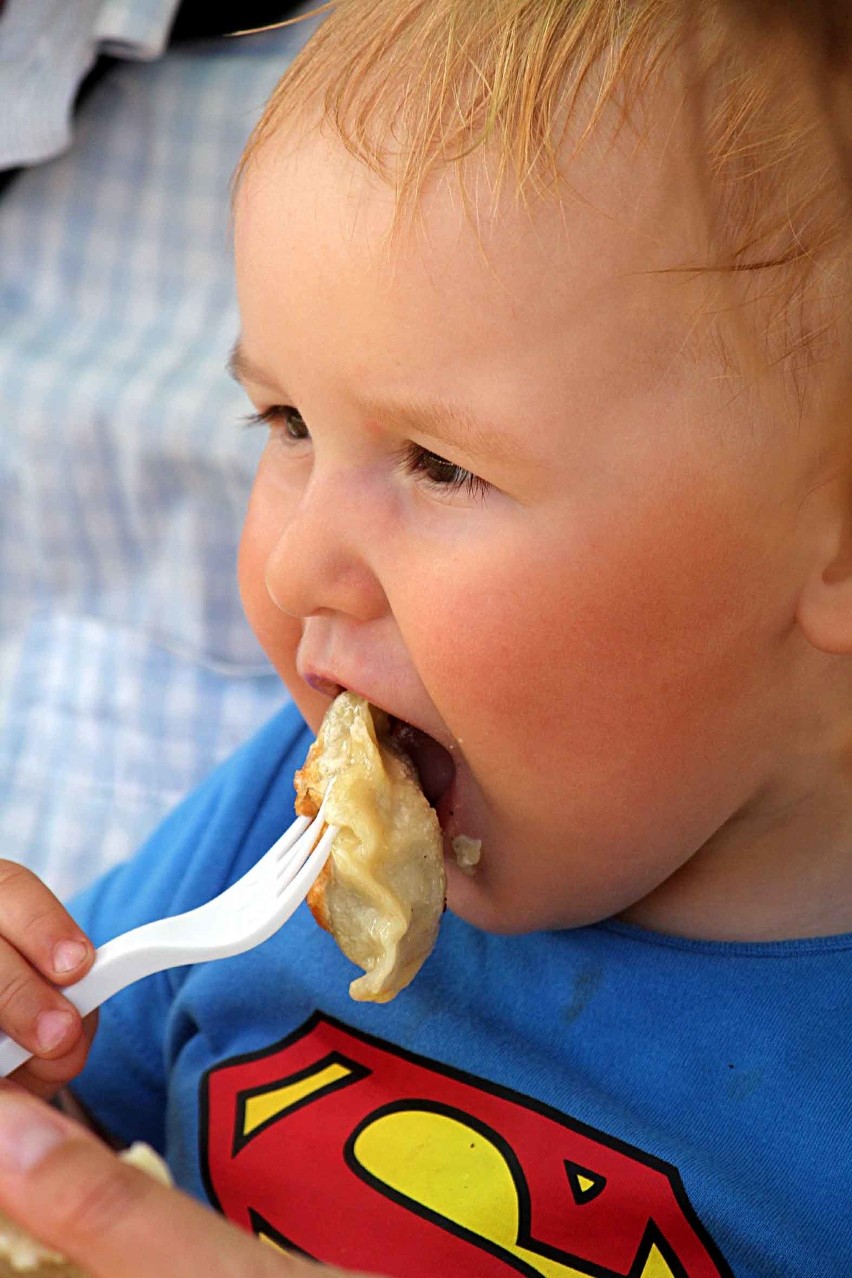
(126, 668)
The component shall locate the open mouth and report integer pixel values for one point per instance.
(433, 763)
(436, 771)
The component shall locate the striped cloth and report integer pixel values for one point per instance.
(126, 668)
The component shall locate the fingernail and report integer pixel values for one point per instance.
(51, 1028)
(26, 1134)
(68, 955)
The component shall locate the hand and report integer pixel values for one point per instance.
(40, 947)
(68, 1190)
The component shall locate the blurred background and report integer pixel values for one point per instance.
(126, 668)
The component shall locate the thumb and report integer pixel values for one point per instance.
(68, 1190)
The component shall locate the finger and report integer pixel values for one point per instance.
(70, 1191)
(45, 1077)
(40, 928)
(32, 1011)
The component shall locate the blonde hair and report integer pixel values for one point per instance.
(411, 86)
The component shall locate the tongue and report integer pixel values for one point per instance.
(434, 765)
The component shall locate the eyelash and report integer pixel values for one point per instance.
(278, 416)
(417, 460)
(437, 471)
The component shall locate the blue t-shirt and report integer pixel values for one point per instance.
(604, 1101)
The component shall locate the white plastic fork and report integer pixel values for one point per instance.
(242, 916)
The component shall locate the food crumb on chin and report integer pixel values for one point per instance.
(467, 853)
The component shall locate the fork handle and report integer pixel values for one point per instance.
(152, 948)
(117, 963)
(173, 942)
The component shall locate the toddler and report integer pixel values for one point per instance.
(544, 308)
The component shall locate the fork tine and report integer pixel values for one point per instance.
(290, 837)
(291, 858)
(296, 887)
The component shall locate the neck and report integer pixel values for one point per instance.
(780, 868)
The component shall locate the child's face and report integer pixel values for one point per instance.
(599, 626)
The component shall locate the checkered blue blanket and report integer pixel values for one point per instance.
(126, 668)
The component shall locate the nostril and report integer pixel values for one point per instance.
(326, 686)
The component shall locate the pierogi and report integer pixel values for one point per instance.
(381, 893)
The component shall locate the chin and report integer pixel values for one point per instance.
(472, 898)
(477, 900)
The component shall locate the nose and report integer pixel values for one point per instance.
(320, 559)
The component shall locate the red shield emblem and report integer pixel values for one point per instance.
(343, 1147)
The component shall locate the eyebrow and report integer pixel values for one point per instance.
(439, 419)
(242, 369)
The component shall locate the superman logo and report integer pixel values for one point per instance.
(347, 1149)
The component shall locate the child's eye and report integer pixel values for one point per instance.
(282, 417)
(440, 473)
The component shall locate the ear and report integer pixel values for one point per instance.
(824, 613)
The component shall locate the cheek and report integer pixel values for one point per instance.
(621, 657)
(277, 633)
(255, 544)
